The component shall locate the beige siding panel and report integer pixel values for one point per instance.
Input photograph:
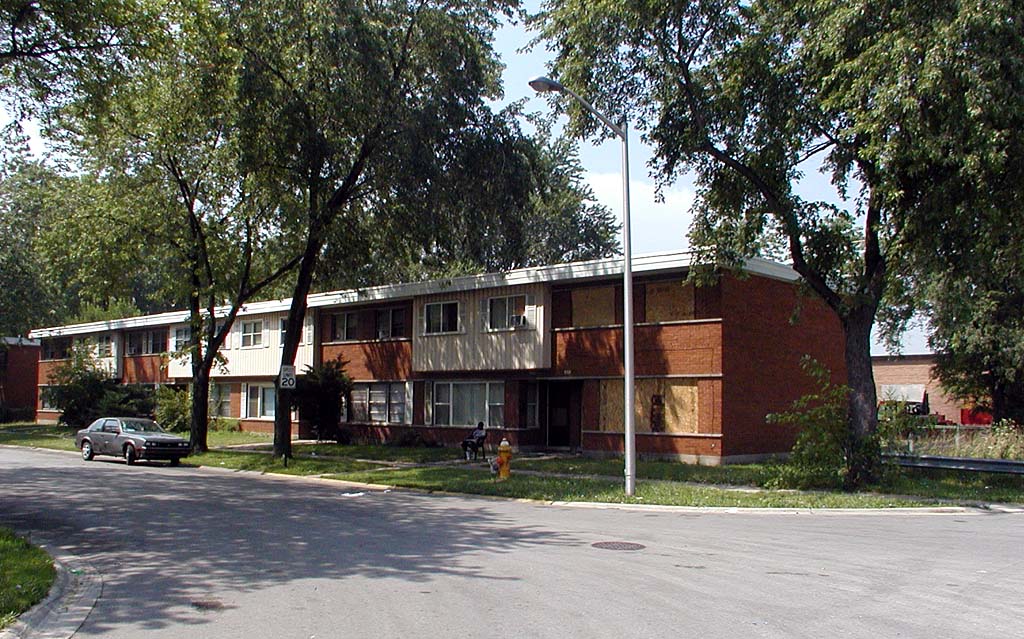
(593, 306)
(475, 347)
(261, 361)
(669, 301)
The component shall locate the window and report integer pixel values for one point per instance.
(261, 400)
(343, 327)
(390, 323)
(220, 400)
(506, 312)
(147, 342)
(46, 398)
(181, 339)
(252, 334)
(57, 348)
(441, 317)
(282, 330)
(104, 346)
(466, 403)
(530, 414)
(378, 402)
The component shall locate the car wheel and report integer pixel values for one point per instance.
(175, 461)
(130, 456)
(87, 453)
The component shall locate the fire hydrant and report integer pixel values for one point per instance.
(504, 459)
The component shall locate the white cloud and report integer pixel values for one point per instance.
(654, 226)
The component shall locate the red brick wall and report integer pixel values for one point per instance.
(144, 369)
(46, 369)
(671, 349)
(391, 360)
(761, 358)
(656, 445)
(20, 379)
(916, 369)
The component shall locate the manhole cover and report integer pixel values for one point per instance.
(618, 545)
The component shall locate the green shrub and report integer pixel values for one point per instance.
(225, 424)
(83, 391)
(319, 394)
(822, 454)
(174, 409)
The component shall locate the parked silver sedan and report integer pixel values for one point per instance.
(133, 438)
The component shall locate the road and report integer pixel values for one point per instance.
(207, 553)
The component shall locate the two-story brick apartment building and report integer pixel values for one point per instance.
(534, 353)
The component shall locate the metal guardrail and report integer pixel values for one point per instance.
(1006, 466)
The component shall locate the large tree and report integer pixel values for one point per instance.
(51, 50)
(908, 107)
(343, 101)
(165, 141)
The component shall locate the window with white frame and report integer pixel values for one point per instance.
(343, 327)
(467, 403)
(104, 346)
(252, 334)
(390, 323)
(378, 402)
(441, 317)
(261, 400)
(282, 331)
(506, 312)
(147, 342)
(181, 338)
(220, 400)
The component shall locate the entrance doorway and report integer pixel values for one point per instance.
(564, 414)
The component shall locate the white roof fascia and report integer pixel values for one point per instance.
(571, 272)
(19, 341)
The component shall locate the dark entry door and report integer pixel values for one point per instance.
(564, 413)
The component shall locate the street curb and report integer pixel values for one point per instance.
(72, 597)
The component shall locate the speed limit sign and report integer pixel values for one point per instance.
(288, 377)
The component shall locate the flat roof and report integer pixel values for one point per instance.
(651, 263)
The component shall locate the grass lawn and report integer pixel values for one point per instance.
(26, 576)
(733, 475)
(269, 464)
(63, 438)
(408, 454)
(39, 435)
(480, 482)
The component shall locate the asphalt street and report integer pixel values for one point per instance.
(204, 553)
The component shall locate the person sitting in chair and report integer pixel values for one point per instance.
(475, 442)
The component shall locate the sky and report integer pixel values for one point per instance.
(654, 226)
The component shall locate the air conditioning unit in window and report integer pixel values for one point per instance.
(517, 321)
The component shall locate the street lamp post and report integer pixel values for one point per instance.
(542, 84)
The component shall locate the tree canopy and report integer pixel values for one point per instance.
(909, 107)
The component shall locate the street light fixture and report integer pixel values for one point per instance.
(543, 84)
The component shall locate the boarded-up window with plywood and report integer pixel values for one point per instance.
(670, 405)
(594, 306)
(669, 301)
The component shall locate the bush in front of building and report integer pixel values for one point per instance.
(821, 456)
(83, 391)
(320, 394)
(173, 409)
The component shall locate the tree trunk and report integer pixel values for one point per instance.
(200, 409)
(293, 335)
(861, 448)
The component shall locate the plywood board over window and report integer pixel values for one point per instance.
(660, 405)
(669, 301)
(594, 306)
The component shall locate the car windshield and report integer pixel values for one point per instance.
(141, 426)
